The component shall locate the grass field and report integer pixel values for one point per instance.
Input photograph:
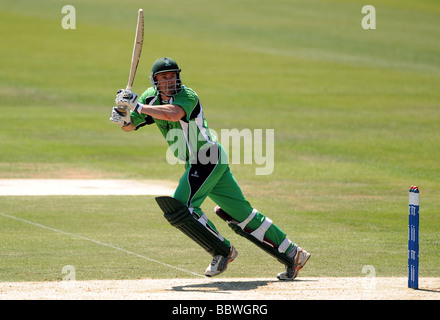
(356, 115)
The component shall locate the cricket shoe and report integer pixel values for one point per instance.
(300, 259)
(220, 263)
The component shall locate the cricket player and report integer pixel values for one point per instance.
(178, 113)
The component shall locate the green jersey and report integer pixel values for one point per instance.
(186, 137)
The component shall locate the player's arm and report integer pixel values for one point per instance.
(165, 112)
(168, 112)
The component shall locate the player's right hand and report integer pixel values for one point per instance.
(120, 116)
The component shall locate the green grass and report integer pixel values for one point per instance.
(356, 115)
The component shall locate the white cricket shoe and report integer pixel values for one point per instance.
(220, 263)
(300, 260)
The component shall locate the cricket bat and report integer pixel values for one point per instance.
(137, 48)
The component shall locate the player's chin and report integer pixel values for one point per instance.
(170, 92)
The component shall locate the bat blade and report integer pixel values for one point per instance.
(137, 48)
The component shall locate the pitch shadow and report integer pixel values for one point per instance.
(221, 286)
(225, 286)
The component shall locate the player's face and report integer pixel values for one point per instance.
(166, 82)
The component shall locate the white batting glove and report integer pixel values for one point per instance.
(128, 98)
(120, 116)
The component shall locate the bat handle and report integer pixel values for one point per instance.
(122, 109)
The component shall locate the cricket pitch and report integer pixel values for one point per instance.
(224, 289)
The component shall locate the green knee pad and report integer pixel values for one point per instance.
(181, 218)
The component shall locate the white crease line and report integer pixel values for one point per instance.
(100, 243)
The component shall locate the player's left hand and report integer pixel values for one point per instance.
(126, 98)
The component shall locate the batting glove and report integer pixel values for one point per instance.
(120, 116)
(128, 98)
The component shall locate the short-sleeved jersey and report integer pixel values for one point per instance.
(185, 137)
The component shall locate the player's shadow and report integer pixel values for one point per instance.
(226, 286)
(223, 286)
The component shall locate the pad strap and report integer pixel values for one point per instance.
(284, 245)
(243, 224)
(259, 233)
(203, 220)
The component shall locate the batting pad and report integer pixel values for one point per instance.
(257, 236)
(181, 218)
